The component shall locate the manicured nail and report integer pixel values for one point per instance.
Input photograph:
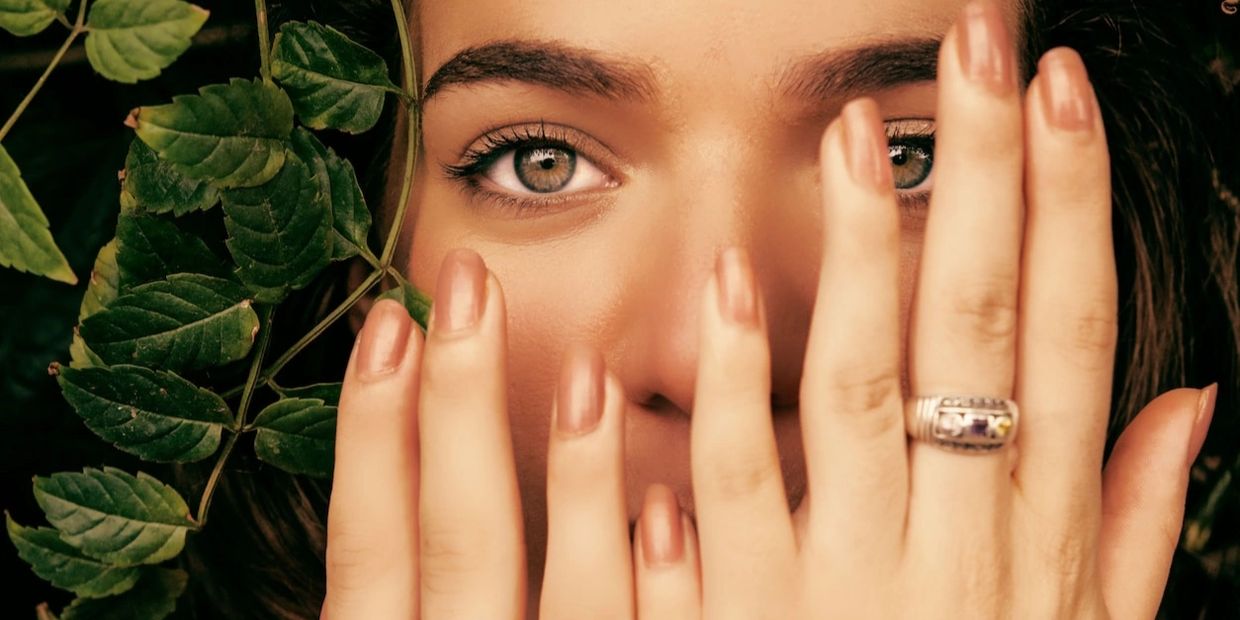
(1067, 97)
(985, 50)
(663, 535)
(738, 301)
(383, 339)
(461, 291)
(1201, 424)
(865, 145)
(579, 403)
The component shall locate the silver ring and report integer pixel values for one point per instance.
(963, 423)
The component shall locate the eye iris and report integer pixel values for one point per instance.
(910, 165)
(544, 169)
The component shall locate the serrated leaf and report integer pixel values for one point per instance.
(80, 355)
(187, 321)
(25, 241)
(279, 232)
(333, 82)
(329, 393)
(114, 516)
(151, 248)
(133, 40)
(154, 597)
(58, 563)
(231, 134)
(297, 435)
(416, 302)
(26, 17)
(156, 186)
(104, 282)
(155, 415)
(338, 181)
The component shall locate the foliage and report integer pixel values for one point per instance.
(171, 315)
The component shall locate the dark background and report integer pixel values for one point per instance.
(70, 144)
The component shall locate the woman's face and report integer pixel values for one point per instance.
(599, 153)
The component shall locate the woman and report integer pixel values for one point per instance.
(668, 300)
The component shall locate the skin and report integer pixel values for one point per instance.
(456, 492)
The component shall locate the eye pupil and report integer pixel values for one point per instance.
(910, 164)
(544, 169)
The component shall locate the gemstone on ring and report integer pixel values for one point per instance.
(963, 423)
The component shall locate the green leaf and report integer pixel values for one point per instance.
(338, 181)
(114, 516)
(279, 233)
(152, 248)
(104, 282)
(334, 82)
(416, 302)
(329, 393)
(26, 17)
(58, 563)
(156, 186)
(80, 355)
(153, 598)
(188, 321)
(25, 242)
(133, 40)
(231, 134)
(297, 435)
(156, 415)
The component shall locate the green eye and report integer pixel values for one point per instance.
(544, 169)
(911, 163)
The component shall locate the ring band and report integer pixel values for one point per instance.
(963, 423)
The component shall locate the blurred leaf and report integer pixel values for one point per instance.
(114, 516)
(25, 242)
(350, 216)
(58, 563)
(133, 40)
(80, 355)
(153, 598)
(152, 248)
(232, 134)
(26, 17)
(156, 186)
(104, 282)
(297, 435)
(333, 82)
(187, 321)
(416, 302)
(279, 232)
(329, 393)
(156, 415)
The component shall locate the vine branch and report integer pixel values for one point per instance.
(409, 81)
(79, 26)
(264, 39)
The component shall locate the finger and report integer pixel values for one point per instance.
(372, 519)
(1069, 313)
(963, 331)
(473, 557)
(1144, 488)
(669, 583)
(851, 407)
(589, 570)
(742, 511)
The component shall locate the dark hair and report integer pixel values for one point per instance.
(1171, 127)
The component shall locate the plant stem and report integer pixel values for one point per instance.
(77, 29)
(409, 80)
(205, 503)
(264, 39)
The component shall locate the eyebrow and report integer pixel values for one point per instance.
(833, 73)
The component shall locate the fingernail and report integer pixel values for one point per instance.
(579, 403)
(663, 536)
(383, 339)
(460, 292)
(738, 302)
(1201, 424)
(865, 146)
(985, 50)
(1067, 98)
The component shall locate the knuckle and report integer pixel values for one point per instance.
(986, 313)
(354, 560)
(737, 474)
(869, 397)
(1093, 332)
(448, 554)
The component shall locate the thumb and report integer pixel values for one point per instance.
(1143, 492)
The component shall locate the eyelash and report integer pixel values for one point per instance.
(494, 144)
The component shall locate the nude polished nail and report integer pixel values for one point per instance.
(579, 401)
(663, 537)
(1201, 423)
(1067, 97)
(985, 50)
(460, 292)
(383, 338)
(865, 145)
(738, 299)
